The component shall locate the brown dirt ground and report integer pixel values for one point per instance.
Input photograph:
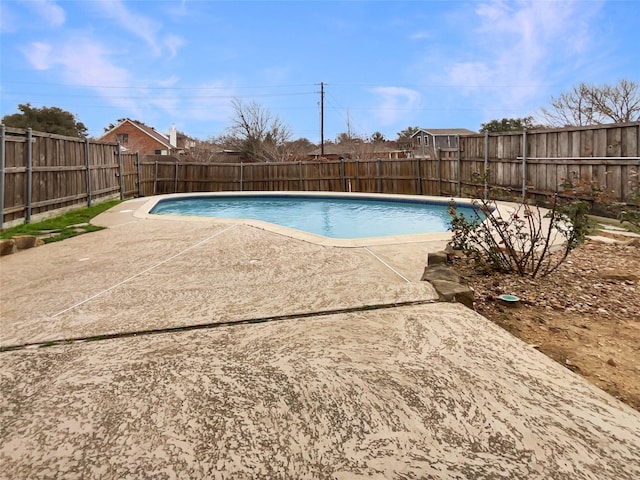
(585, 315)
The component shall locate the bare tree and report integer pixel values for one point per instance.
(205, 151)
(300, 148)
(593, 105)
(620, 103)
(256, 133)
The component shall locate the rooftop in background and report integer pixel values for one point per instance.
(134, 136)
(445, 131)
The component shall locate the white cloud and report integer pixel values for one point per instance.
(169, 82)
(522, 47)
(173, 43)
(209, 102)
(39, 55)
(141, 26)
(212, 102)
(420, 35)
(48, 10)
(178, 9)
(82, 62)
(394, 104)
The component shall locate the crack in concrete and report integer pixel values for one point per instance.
(210, 325)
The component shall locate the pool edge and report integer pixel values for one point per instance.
(143, 212)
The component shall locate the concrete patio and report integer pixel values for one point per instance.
(182, 349)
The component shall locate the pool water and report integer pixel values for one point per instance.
(328, 216)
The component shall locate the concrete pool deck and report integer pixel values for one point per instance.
(353, 372)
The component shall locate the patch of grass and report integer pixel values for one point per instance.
(63, 226)
(96, 338)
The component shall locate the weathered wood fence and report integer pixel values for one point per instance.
(527, 164)
(540, 162)
(43, 172)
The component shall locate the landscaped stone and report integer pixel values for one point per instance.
(24, 241)
(7, 246)
(440, 272)
(453, 292)
(446, 281)
(619, 276)
(437, 258)
(601, 239)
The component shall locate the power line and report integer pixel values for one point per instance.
(457, 85)
(149, 97)
(291, 85)
(129, 87)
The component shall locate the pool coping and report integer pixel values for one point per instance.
(143, 212)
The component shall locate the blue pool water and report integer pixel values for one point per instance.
(345, 218)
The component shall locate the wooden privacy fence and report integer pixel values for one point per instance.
(526, 164)
(544, 161)
(41, 172)
(404, 176)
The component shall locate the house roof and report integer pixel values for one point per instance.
(445, 131)
(340, 149)
(157, 136)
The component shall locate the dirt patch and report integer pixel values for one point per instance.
(585, 315)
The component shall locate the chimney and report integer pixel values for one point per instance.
(173, 136)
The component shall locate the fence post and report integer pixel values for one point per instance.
(439, 170)
(241, 176)
(342, 175)
(175, 179)
(459, 162)
(120, 173)
(419, 176)
(357, 176)
(87, 164)
(378, 173)
(139, 175)
(3, 132)
(29, 174)
(524, 164)
(155, 178)
(486, 166)
(300, 184)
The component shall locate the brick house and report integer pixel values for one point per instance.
(135, 137)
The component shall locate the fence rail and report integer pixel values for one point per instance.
(43, 172)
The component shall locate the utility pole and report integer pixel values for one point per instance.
(322, 119)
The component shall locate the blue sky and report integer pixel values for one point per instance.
(385, 65)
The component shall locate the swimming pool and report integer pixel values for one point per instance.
(337, 216)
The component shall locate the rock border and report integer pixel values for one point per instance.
(445, 280)
(16, 243)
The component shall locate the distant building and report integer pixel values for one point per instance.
(358, 150)
(425, 142)
(135, 137)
